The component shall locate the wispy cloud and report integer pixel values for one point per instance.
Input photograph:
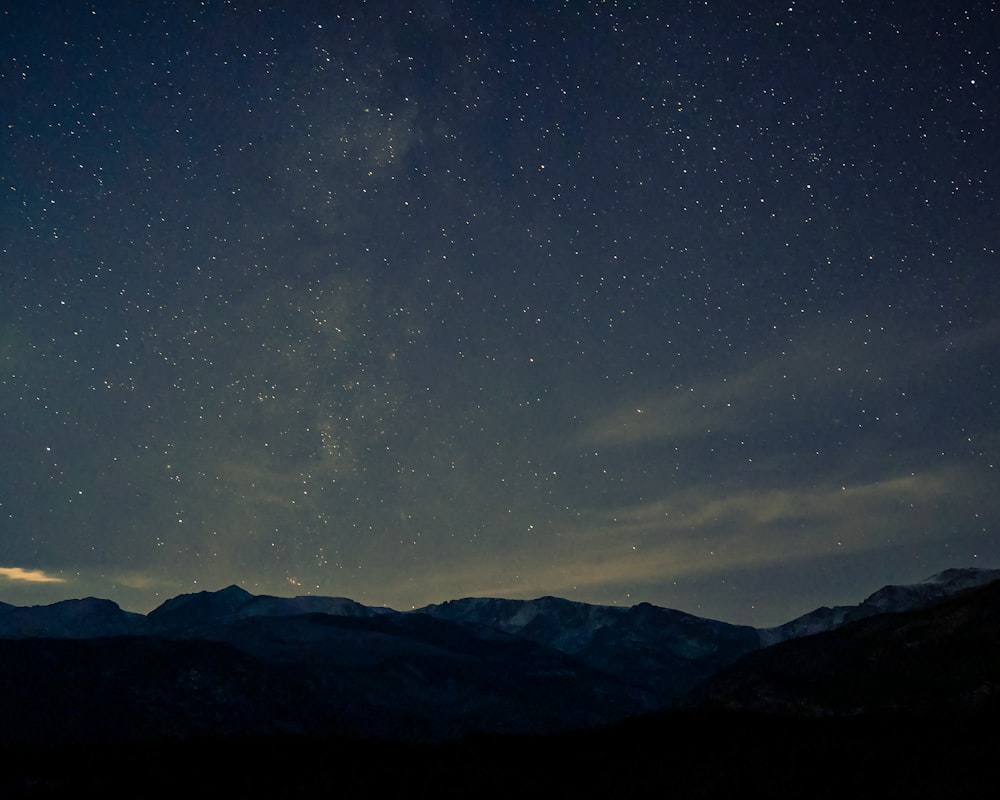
(29, 575)
(833, 366)
(702, 531)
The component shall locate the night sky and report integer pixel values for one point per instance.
(694, 303)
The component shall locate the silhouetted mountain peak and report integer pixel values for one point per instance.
(269, 606)
(941, 657)
(663, 650)
(69, 619)
(890, 599)
(965, 576)
(189, 612)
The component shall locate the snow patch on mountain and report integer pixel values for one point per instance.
(887, 600)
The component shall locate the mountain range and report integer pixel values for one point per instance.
(229, 665)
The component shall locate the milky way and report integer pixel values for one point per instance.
(686, 304)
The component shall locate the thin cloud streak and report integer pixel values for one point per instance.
(29, 575)
(694, 533)
(849, 358)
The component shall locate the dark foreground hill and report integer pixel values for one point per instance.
(224, 692)
(941, 659)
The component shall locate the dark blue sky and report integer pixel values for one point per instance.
(690, 303)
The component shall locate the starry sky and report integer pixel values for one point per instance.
(693, 303)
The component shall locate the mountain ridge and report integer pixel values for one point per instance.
(231, 663)
(187, 612)
(939, 658)
(890, 599)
